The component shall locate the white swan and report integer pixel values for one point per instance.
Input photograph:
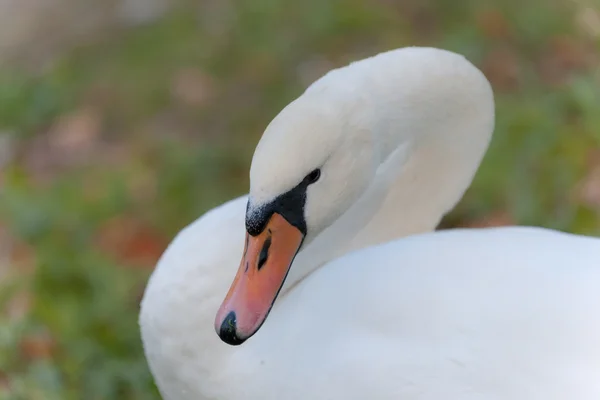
(373, 307)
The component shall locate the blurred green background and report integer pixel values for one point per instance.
(113, 139)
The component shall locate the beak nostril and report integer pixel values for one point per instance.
(264, 253)
(228, 330)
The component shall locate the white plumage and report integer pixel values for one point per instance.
(376, 305)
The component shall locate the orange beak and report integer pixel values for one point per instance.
(265, 264)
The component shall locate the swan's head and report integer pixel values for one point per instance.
(322, 152)
(309, 167)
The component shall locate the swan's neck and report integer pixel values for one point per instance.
(421, 178)
(429, 185)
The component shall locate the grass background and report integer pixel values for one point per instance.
(106, 153)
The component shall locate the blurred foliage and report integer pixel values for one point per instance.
(122, 142)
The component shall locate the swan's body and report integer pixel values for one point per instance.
(367, 312)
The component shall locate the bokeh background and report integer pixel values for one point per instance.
(121, 121)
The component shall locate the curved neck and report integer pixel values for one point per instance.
(419, 181)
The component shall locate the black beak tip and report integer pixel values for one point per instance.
(228, 330)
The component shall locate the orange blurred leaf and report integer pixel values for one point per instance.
(501, 67)
(588, 190)
(37, 346)
(131, 242)
(16, 257)
(493, 24)
(497, 218)
(4, 382)
(563, 56)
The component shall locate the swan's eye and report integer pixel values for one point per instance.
(313, 176)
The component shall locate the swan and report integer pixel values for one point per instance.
(343, 290)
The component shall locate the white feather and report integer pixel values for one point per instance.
(378, 306)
